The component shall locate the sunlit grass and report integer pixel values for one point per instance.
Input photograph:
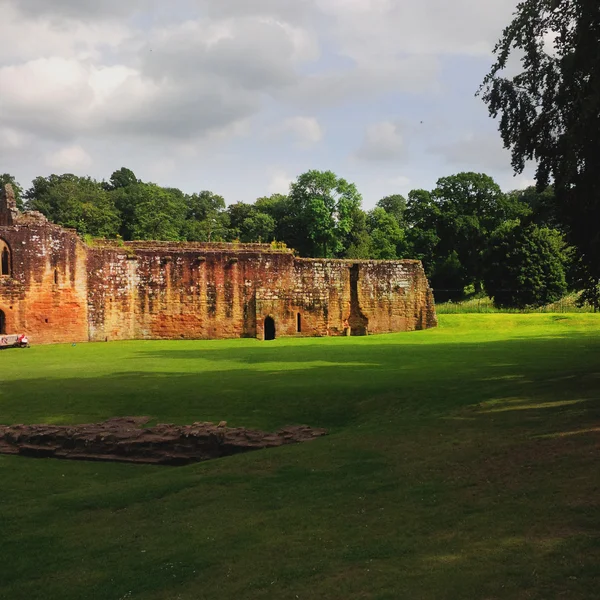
(461, 463)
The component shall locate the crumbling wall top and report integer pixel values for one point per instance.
(8, 206)
(147, 245)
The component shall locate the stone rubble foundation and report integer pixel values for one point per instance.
(126, 440)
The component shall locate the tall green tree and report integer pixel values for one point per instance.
(206, 218)
(525, 266)
(421, 217)
(78, 202)
(358, 242)
(258, 227)
(238, 213)
(248, 224)
(471, 206)
(549, 110)
(538, 207)
(150, 212)
(280, 208)
(158, 213)
(394, 205)
(387, 238)
(322, 206)
(122, 178)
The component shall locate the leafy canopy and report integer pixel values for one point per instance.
(550, 110)
(322, 206)
(525, 266)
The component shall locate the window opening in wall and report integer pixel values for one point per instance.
(269, 329)
(56, 276)
(5, 267)
(2, 323)
(299, 326)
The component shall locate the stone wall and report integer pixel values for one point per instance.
(45, 293)
(61, 290)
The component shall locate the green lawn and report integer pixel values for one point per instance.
(461, 463)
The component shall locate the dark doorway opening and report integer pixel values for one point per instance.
(299, 326)
(5, 268)
(269, 329)
(2, 323)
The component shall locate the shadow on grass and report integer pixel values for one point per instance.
(331, 386)
(496, 499)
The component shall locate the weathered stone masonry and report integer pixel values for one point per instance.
(58, 289)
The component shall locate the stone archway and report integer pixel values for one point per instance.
(2, 323)
(270, 331)
(5, 261)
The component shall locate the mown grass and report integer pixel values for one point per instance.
(462, 463)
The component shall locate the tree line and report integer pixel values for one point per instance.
(471, 236)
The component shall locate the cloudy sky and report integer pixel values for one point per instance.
(241, 96)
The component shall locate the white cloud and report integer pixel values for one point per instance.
(75, 8)
(70, 159)
(365, 29)
(305, 130)
(184, 86)
(11, 139)
(400, 181)
(186, 80)
(27, 38)
(383, 141)
(280, 182)
(476, 152)
(363, 83)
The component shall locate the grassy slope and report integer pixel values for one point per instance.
(462, 463)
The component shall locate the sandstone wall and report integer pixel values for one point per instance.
(61, 290)
(179, 291)
(45, 294)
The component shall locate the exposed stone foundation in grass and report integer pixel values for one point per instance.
(126, 440)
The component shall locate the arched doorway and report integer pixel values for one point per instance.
(2, 323)
(4, 259)
(299, 323)
(269, 329)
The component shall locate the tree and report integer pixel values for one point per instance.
(248, 224)
(258, 227)
(121, 179)
(387, 239)
(471, 207)
(538, 207)
(358, 243)
(525, 266)
(6, 178)
(206, 219)
(279, 207)
(78, 202)
(322, 206)
(448, 278)
(158, 213)
(421, 216)
(394, 205)
(238, 213)
(550, 111)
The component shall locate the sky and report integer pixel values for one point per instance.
(241, 96)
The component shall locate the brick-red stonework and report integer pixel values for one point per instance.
(62, 290)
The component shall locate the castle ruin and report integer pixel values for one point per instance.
(58, 289)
